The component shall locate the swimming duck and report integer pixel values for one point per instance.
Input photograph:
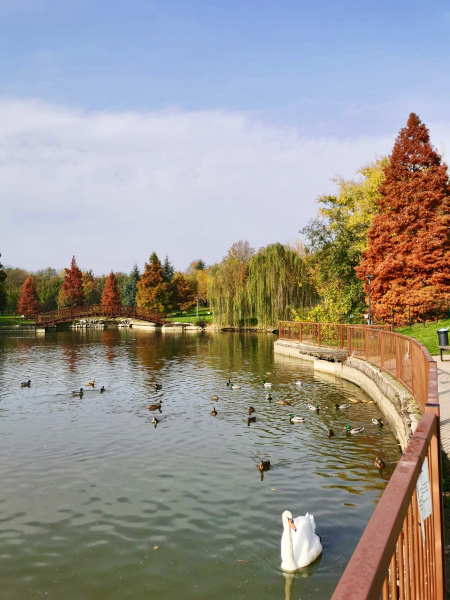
(330, 432)
(229, 383)
(311, 407)
(342, 406)
(354, 430)
(80, 393)
(379, 463)
(26, 383)
(251, 420)
(157, 386)
(90, 383)
(214, 412)
(377, 422)
(251, 410)
(264, 465)
(294, 419)
(284, 402)
(270, 373)
(269, 397)
(102, 389)
(266, 384)
(214, 397)
(233, 386)
(300, 545)
(155, 406)
(155, 421)
(298, 382)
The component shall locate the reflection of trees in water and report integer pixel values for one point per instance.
(109, 340)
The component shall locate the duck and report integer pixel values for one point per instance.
(90, 383)
(354, 430)
(300, 545)
(229, 383)
(102, 389)
(26, 383)
(233, 386)
(379, 463)
(311, 407)
(294, 419)
(251, 410)
(270, 372)
(330, 432)
(155, 406)
(214, 412)
(377, 422)
(266, 384)
(298, 382)
(80, 393)
(155, 421)
(269, 397)
(342, 406)
(284, 402)
(157, 386)
(251, 420)
(214, 397)
(264, 465)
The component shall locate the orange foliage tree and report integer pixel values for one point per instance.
(152, 289)
(182, 294)
(408, 242)
(28, 303)
(111, 294)
(71, 293)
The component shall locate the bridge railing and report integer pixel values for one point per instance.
(400, 555)
(84, 312)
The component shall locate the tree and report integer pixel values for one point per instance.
(3, 295)
(336, 239)
(168, 270)
(241, 251)
(28, 303)
(202, 278)
(409, 242)
(48, 284)
(111, 294)
(182, 295)
(90, 293)
(129, 288)
(152, 290)
(13, 285)
(71, 293)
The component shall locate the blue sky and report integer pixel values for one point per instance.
(217, 89)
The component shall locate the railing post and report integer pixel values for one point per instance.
(300, 333)
(381, 344)
(366, 343)
(319, 335)
(349, 341)
(341, 336)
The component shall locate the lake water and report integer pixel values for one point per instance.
(97, 503)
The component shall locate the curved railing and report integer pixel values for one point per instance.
(401, 553)
(64, 315)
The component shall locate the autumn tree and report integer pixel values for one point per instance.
(129, 288)
(90, 293)
(182, 294)
(152, 290)
(28, 303)
(408, 248)
(111, 294)
(71, 293)
(3, 295)
(336, 239)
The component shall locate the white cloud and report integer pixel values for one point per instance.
(111, 187)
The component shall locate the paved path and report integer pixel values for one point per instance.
(443, 369)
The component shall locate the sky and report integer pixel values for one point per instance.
(181, 127)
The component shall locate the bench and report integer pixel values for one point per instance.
(442, 348)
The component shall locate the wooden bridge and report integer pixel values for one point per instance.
(64, 315)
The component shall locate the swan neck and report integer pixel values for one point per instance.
(287, 552)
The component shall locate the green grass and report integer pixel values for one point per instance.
(425, 334)
(190, 316)
(10, 320)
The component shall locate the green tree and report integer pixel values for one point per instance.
(129, 288)
(13, 285)
(336, 240)
(168, 270)
(90, 293)
(48, 285)
(3, 294)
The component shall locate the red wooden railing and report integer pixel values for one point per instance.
(63, 315)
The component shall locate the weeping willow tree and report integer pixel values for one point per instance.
(278, 280)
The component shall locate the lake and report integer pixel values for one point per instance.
(97, 503)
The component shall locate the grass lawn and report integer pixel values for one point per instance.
(425, 334)
(9, 320)
(190, 316)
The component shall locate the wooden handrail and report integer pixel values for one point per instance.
(63, 315)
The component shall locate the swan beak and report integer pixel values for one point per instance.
(291, 524)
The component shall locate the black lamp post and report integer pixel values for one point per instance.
(369, 279)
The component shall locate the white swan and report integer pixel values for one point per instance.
(300, 545)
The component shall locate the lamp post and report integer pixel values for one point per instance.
(369, 279)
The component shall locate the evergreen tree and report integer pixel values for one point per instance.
(48, 284)
(3, 294)
(409, 242)
(129, 288)
(152, 290)
(71, 293)
(28, 303)
(111, 294)
(168, 270)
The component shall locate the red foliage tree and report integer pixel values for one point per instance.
(28, 303)
(111, 294)
(152, 290)
(408, 241)
(71, 293)
(182, 293)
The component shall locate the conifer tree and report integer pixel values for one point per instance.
(89, 292)
(152, 290)
(28, 303)
(71, 293)
(129, 288)
(168, 270)
(3, 294)
(111, 293)
(409, 241)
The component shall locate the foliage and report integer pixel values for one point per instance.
(168, 270)
(111, 294)
(28, 303)
(277, 279)
(71, 293)
(241, 251)
(48, 284)
(336, 239)
(409, 243)
(3, 294)
(129, 288)
(152, 290)
(13, 285)
(90, 292)
(182, 295)
(201, 285)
